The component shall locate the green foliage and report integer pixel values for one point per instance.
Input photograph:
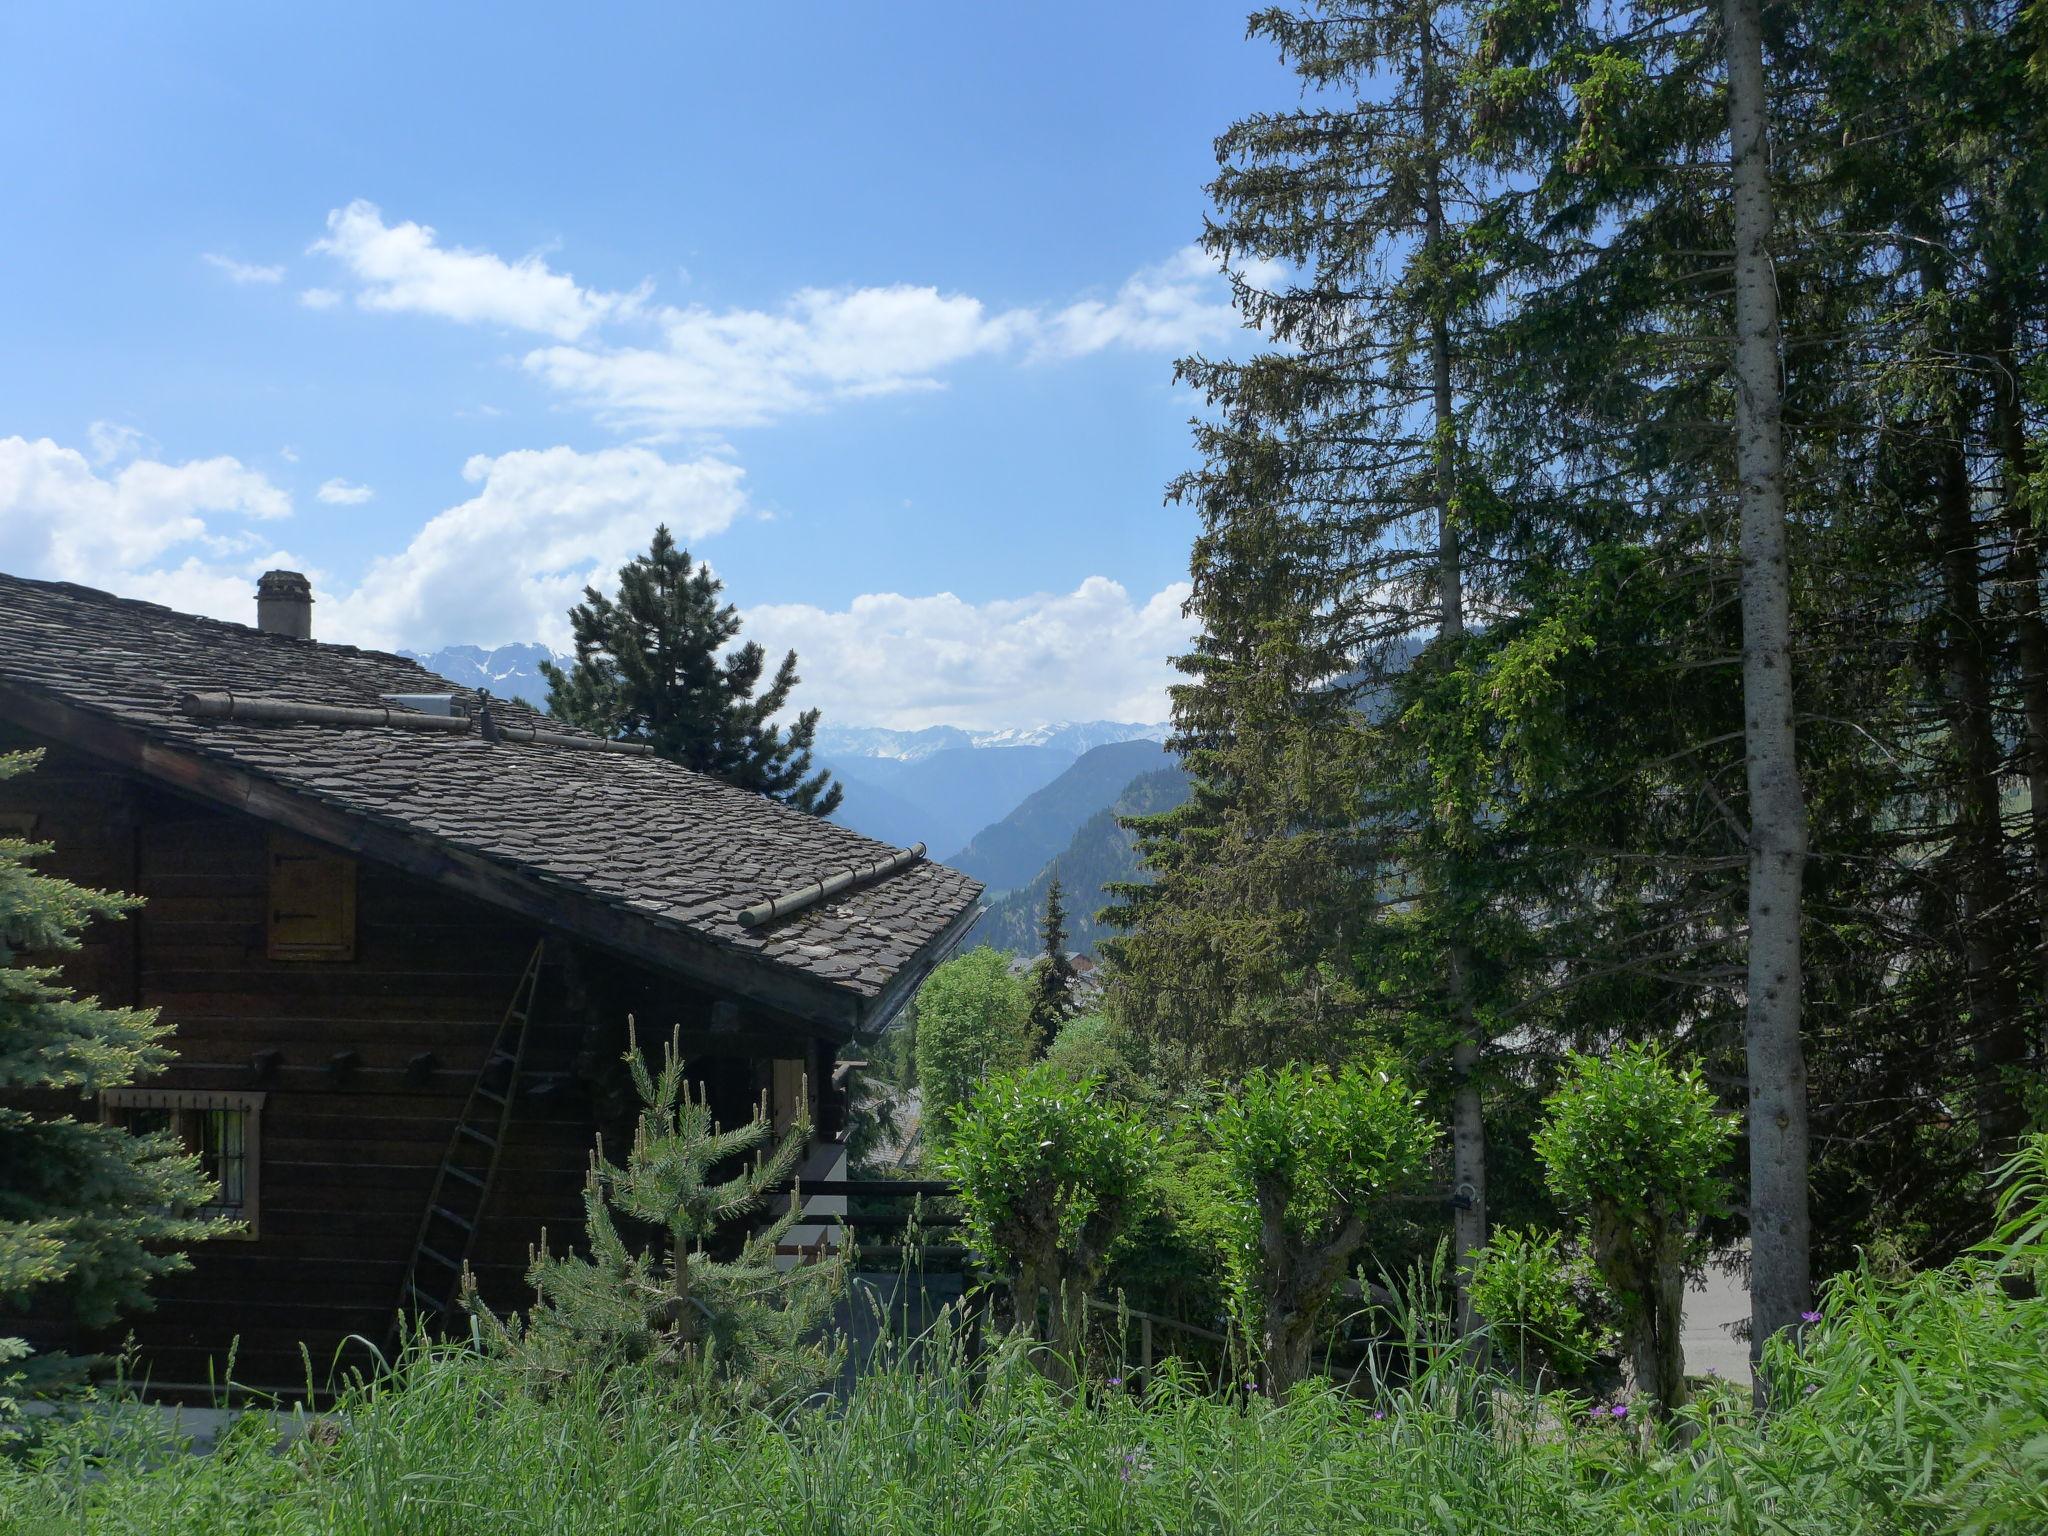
(89, 1214)
(1321, 1144)
(742, 1329)
(1637, 1147)
(973, 1021)
(1052, 977)
(1312, 1155)
(1630, 1133)
(657, 665)
(1535, 1301)
(1924, 1418)
(1049, 1172)
(1090, 1046)
(1100, 857)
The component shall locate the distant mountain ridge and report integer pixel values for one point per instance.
(1008, 853)
(943, 799)
(1068, 736)
(1100, 854)
(509, 671)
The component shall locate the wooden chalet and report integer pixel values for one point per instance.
(399, 928)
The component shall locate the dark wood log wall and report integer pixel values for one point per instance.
(347, 1152)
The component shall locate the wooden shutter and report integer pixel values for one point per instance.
(787, 1092)
(312, 901)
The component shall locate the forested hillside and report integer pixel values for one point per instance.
(1101, 853)
(1007, 854)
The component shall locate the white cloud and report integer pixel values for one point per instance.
(744, 367)
(242, 271)
(343, 493)
(1176, 306)
(174, 533)
(111, 440)
(507, 564)
(715, 369)
(403, 267)
(907, 662)
(703, 370)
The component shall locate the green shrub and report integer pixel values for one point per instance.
(1635, 1146)
(1311, 1154)
(1049, 1173)
(1534, 1299)
(973, 1022)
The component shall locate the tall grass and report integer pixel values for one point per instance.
(1915, 1403)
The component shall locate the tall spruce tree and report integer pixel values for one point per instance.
(654, 666)
(1326, 883)
(89, 1213)
(1053, 976)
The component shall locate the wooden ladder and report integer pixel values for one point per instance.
(462, 1184)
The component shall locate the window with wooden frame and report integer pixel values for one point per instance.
(312, 901)
(223, 1130)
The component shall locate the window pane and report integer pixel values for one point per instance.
(222, 1154)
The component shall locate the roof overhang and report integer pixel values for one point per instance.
(880, 1009)
(825, 1009)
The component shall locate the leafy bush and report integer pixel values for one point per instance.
(973, 1022)
(1049, 1172)
(1533, 1297)
(1311, 1153)
(1636, 1146)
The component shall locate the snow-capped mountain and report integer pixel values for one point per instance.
(510, 671)
(1066, 736)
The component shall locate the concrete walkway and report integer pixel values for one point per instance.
(1709, 1315)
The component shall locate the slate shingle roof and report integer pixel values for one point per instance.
(675, 847)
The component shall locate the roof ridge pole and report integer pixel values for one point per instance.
(830, 885)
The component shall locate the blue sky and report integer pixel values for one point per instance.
(876, 305)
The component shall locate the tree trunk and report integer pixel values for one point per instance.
(1780, 1230)
(1289, 1344)
(1660, 1357)
(1645, 1270)
(1998, 1039)
(1468, 1128)
(2023, 577)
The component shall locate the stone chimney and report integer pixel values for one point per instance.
(284, 604)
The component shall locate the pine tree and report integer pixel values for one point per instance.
(654, 666)
(89, 1213)
(742, 1329)
(1053, 977)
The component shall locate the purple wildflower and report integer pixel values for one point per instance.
(1809, 1317)
(1379, 1413)
(1116, 1381)
(1619, 1410)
